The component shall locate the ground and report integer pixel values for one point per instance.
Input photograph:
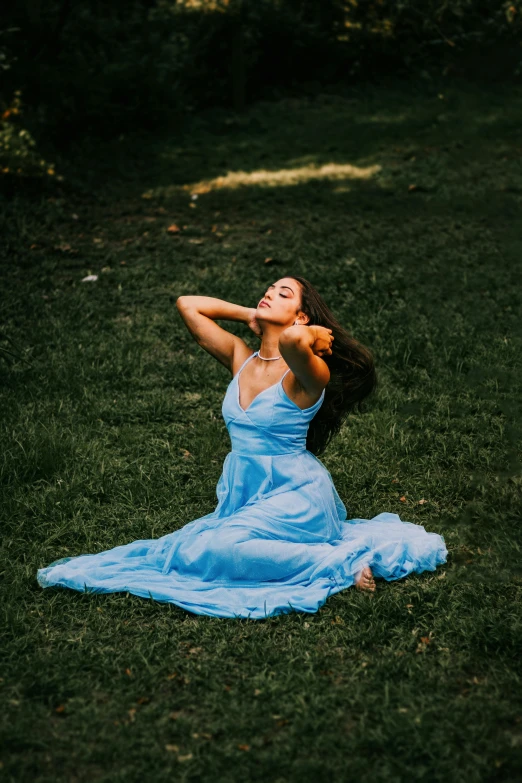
(402, 206)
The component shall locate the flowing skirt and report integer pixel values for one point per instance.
(278, 541)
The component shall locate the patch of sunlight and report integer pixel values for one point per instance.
(266, 178)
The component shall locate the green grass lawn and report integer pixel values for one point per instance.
(403, 206)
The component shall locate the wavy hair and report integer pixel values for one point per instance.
(352, 371)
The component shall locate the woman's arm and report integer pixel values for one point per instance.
(214, 308)
(302, 347)
(199, 314)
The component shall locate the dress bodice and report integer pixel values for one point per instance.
(272, 424)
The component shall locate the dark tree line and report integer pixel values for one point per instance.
(87, 66)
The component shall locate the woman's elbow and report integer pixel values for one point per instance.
(182, 302)
(291, 335)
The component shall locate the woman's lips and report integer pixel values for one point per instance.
(264, 304)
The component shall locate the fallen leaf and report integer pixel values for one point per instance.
(174, 748)
(403, 499)
(417, 189)
(257, 692)
(61, 708)
(425, 639)
(173, 229)
(244, 747)
(422, 501)
(132, 713)
(128, 671)
(187, 757)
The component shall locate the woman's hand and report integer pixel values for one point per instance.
(253, 323)
(323, 339)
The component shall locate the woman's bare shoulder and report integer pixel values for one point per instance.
(241, 353)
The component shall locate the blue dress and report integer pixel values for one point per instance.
(277, 541)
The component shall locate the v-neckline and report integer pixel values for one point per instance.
(245, 410)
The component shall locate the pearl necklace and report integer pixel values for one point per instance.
(265, 359)
(273, 358)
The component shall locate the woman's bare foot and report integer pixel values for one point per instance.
(364, 580)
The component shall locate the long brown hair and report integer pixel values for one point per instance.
(352, 371)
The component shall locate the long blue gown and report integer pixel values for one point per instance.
(277, 541)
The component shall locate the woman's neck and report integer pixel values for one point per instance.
(269, 347)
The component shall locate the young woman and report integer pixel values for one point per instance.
(279, 539)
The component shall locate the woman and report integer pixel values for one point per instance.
(279, 539)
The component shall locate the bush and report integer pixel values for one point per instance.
(104, 68)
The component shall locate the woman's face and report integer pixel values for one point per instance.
(281, 302)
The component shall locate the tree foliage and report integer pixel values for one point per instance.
(92, 67)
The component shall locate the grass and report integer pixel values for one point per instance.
(402, 205)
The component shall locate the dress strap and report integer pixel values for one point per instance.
(246, 360)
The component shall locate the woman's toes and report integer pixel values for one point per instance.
(364, 580)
